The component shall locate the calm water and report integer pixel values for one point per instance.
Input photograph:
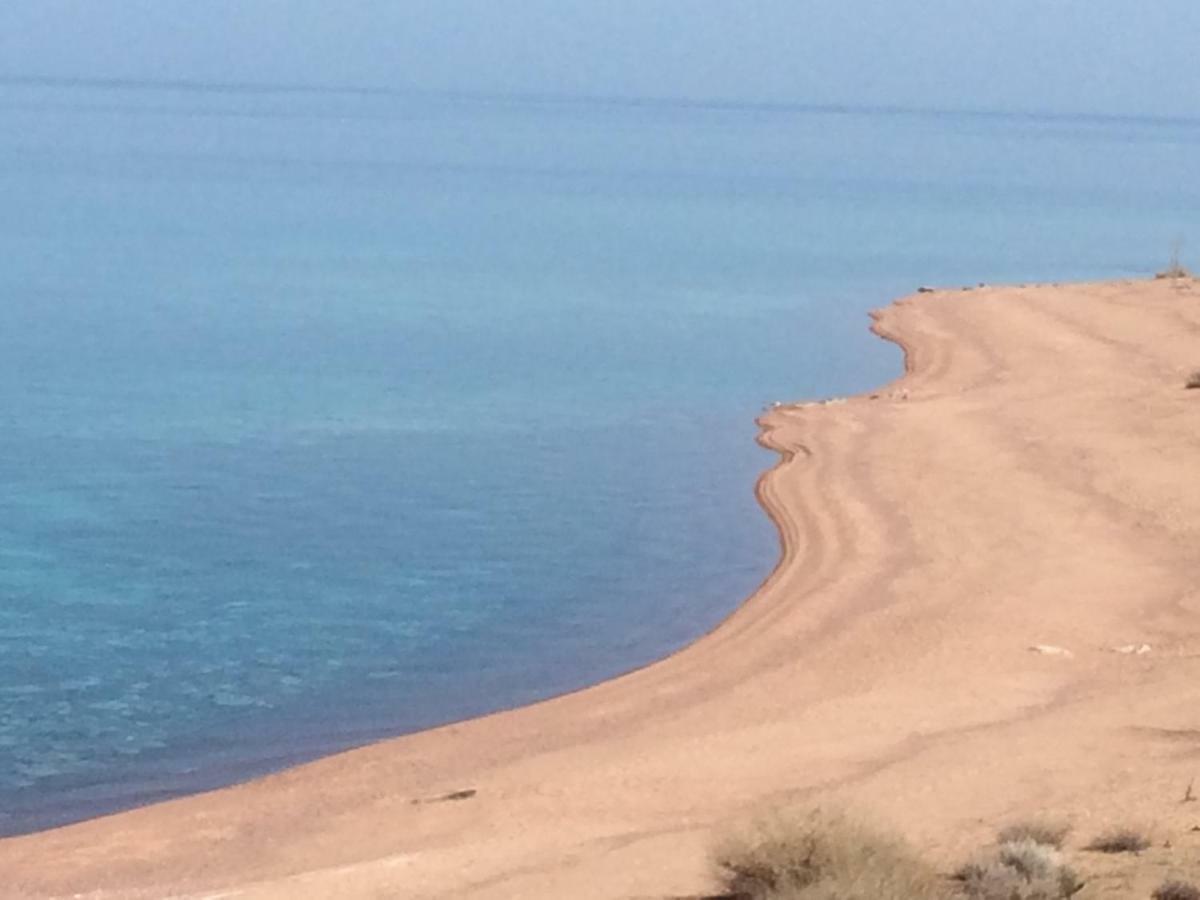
(328, 415)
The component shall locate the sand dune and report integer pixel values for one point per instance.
(1030, 482)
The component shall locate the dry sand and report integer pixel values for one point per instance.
(1031, 481)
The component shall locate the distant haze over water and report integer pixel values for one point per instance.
(334, 414)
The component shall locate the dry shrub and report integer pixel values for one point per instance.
(1193, 380)
(1120, 840)
(1019, 870)
(1172, 272)
(1176, 890)
(820, 856)
(1040, 831)
(1175, 268)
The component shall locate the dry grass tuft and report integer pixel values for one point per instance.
(1175, 269)
(1173, 272)
(1020, 870)
(1193, 380)
(1176, 890)
(1120, 840)
(819, 856)
(1039, 831)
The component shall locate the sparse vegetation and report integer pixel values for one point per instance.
(826, 856)
(820, 856)
(1175, 269)
(1050, 833)
(1176, 890)
(1193, 380)
(1020, 870)
(1120, 840)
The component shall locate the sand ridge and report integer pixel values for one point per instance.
(1029, 482)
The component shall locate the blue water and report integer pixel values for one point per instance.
(329, 415)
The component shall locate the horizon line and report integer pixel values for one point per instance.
(550, 98)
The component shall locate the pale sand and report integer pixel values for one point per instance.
(1032, 480)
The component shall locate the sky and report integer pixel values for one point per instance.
(1087, 56)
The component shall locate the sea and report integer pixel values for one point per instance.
(329, 414)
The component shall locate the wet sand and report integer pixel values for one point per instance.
(1030, 482)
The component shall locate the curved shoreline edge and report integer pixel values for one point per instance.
(775, 514)
(1021, 485)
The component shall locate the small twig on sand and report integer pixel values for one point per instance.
(453, 795)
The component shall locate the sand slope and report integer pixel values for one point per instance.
(1032, 480)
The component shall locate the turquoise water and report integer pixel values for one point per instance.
(331, 415)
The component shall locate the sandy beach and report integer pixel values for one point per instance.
(987, 606)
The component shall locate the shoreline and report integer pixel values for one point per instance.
(888, 647)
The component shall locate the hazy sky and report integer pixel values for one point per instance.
(1078, 55)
